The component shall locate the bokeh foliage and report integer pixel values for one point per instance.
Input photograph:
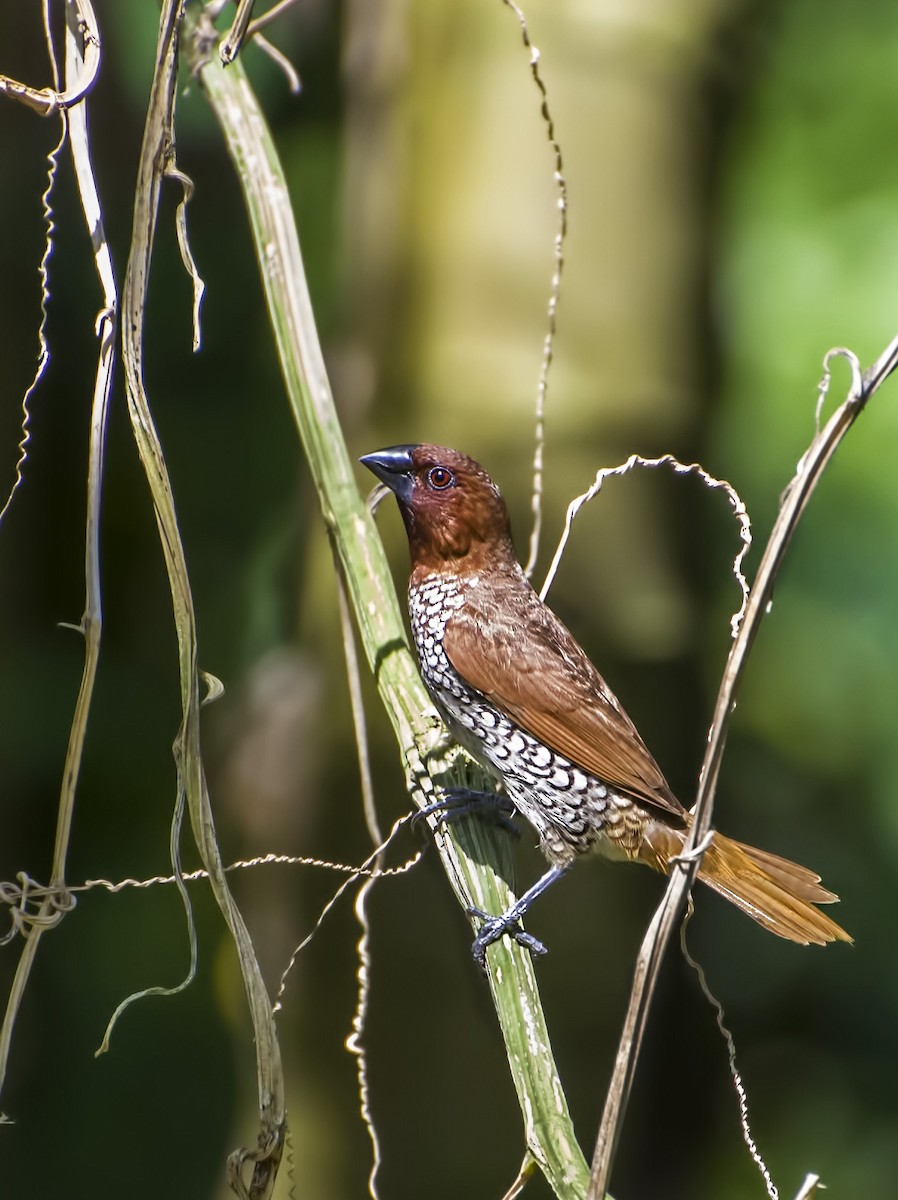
(733, 195)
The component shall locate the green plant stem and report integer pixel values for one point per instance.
(475, 858)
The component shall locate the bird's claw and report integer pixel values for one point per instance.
(494, 928)
(463, 802)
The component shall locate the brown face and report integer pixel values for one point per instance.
(451, 508)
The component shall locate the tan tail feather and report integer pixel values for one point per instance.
(799, 880)
(777, 893)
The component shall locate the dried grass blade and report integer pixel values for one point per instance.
(795, 499)
(157, 155)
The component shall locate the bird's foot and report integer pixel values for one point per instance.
(464, 802)
(494, 928)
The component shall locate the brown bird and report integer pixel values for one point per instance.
(521, 696)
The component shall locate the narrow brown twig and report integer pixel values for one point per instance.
(807, 476)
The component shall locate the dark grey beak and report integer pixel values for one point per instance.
(393, 467)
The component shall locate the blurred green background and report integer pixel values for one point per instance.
(733, 214)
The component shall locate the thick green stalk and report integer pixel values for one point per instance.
(475, 858)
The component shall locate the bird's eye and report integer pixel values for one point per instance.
(440, 477)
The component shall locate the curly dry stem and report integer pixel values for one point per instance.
(50, 100)
(558, 176)
(79, 45)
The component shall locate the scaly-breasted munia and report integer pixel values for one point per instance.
(521, 696)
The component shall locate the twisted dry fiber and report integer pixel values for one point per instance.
(26, 898)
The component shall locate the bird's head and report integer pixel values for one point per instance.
(453, 513)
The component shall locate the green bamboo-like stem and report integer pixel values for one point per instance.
(474, 857)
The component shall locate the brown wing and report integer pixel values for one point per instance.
(513, 649)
